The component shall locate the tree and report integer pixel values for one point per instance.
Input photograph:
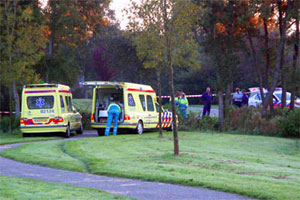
(282, 21)
(219, 31)
(163, 36)
(23, 41)
(69, 24)
(296, 67)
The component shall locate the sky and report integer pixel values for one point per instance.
(118, 6)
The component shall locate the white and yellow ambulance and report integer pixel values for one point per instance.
(48, 108)
(140, 109)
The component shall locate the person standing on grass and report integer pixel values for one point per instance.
(245, 98)
(237, 98)
(207, 99)
(183, 105)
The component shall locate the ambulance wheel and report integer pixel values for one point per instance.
(140, 128)
(101, 131)
(68, 132)
(80, 130)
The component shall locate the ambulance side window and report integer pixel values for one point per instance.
(62, 105)
(150, 105)
(70, 104)
(67, 102)
(142, 99)
(131, 100)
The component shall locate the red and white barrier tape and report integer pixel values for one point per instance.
(5, 112)
(188, 96)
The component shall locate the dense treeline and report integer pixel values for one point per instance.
(221, 44)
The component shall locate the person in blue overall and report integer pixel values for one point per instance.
(114, 111)
(207, 100)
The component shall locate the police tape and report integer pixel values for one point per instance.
(188, 96)
(6, 112)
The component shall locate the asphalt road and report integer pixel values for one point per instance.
(121, 186)
(213, 112)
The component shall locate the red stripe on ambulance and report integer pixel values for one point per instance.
(138, 90)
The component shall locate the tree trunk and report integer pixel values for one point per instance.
(283, 82)
(169, 60)
(158, 72)
(295, 61)
(221, 110)
(175, 132)
(228, 94)
(16, 99)
(267, 52)
(257, 68)
(10, 108)
(51, 38)
(279, 59)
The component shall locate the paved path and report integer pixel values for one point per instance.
(213, 112)
(121, 186)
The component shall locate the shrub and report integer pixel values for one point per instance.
(86, 119)
(289, 124)
(283, 122)
(194, 122)
(5, 123)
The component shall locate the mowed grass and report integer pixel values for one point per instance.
(16, 137)
(25, 188)
(256, 166)
(85, 105)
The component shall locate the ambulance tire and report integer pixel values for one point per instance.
(67, 134)
(140, 128)
(101, 131)
(80, 130)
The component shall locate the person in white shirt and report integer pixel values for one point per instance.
(237, 98)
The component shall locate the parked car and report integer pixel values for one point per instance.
(48, 108)
(256, 100)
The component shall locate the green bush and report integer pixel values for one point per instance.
(283, 122)
(86, 119)
(194, 122)
(4, 122)
(289, 125)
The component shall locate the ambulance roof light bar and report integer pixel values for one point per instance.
(100, 83)
(40, 85)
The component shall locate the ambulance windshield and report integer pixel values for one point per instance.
(40, 102)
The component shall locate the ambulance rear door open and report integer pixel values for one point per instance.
(103, 97)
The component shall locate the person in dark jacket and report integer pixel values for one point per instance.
(245, 98)
(207, 99)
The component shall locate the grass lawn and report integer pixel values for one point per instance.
(16, 137)
(25, 188)
(256, 166)
(84, 105)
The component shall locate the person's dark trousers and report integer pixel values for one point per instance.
(206, 110)
(238, 104)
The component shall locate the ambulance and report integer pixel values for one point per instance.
(48, 108)
(140, 109)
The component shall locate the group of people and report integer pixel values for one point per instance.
(115, 108)
(240, 98)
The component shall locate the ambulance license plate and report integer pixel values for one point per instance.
(41, 120)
